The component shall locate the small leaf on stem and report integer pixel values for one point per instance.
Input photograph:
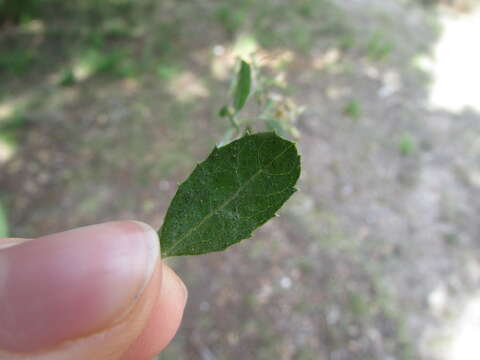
(242, 90)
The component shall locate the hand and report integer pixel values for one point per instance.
(96, 292)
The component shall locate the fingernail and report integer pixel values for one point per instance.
(72, 284)
(13, 242)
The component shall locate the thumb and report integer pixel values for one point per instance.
(81, 294)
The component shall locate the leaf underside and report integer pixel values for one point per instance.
(238, 188)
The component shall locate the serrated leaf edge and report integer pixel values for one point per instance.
(213, 212)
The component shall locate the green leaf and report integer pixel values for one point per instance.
(239, 187)
(3, 222)
(242, 90)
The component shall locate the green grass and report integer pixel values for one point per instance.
(67, 78)
(17, 10)
(379, 47)
(117, 28)
(358, 306)
(353, 109)
(452, 239)
(307, 8)
(306, 353)
(12, 128)
(3, 222)
(16, 61)
(230, 17)
(105, 35)
(16, 121)
(292, 24)
(114, 62)
(166, 70)
(407, 145)
(347, 41)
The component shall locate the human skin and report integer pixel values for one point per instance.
(96, 292)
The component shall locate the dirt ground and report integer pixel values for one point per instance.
(376, 257)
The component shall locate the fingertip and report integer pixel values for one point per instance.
(83, 281)
(165, 318)
(174, 285)
(111, 343)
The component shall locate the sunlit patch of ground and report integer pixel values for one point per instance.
(455, 77)
(458, 338)
(465, 344)
(6, 151)
(456, 67)
(187, 87)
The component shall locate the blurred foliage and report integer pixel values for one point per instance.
(113, 35)
(16, 61)
(167, 70)
(13, 11)
(67, 78)
(273, 107)
(353, 109)
(407, 144)
(459, 5)
(3, 222)
(379, 47)
(11, 126)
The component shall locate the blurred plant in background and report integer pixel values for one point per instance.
(3, 221)
(273, 109)
(15, 11)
